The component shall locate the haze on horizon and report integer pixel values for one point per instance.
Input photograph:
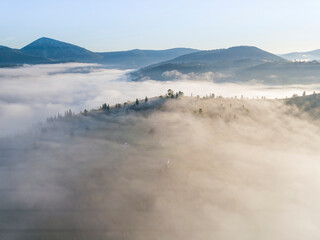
(278, 27)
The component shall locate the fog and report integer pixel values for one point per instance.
(237, 169)
(32, 93)
(171, 168)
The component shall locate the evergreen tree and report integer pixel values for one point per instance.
(146, 100)
(170, 93)
(137, 102)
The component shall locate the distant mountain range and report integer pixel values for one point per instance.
(138, 58)
(223, 61)
(46, 50)
(303, 56)
(14, 56)
(230, 55)
(235, 64)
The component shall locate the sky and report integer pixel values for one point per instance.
(278, 26)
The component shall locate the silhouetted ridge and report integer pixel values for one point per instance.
(14, 56)
(59, 51)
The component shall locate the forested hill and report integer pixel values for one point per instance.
(113, 172)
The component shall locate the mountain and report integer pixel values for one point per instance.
(225, 61)
(14, 56)
(45, 50)
(309, 104)
(282, 72)
(233, 54)
(139, 58)
(59, 51)
(303, 56)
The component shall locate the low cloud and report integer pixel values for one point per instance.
(32, 93)
(238, 169)
(208, 76)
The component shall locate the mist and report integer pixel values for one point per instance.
(239, 168)
(32, 93)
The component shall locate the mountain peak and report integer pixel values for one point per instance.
(236, 53)
(244, 47)
(46, 38)
(44, 41)
(59, 51)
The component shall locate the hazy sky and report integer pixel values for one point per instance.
(278, 26)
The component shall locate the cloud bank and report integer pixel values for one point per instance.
(32, 93)
(238, 169)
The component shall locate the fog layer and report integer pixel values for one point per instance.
(184, 169)
(32, 93)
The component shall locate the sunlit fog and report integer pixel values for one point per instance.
(30, 94)
(169, 168)
(160, 120)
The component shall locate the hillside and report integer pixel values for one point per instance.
(283, 72)
(59, 51)
(238, 64)
(303, 56)
(148, 171)
(139, 58)
(14, 56)
(225, 61)
(309, 104)
(233, 54)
